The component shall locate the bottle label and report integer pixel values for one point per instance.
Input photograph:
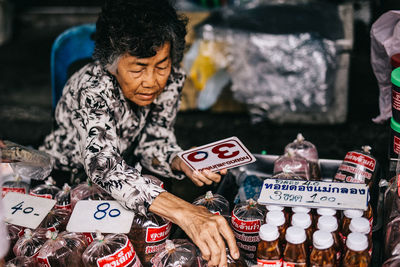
(157, 234)
(294, 264)
(121, 258)
(63, 207)
(41, 195)
(395, 100)
(89, 237)
(43, 262)
(5, 190)
(360, 159)
(269, 263)
(245, 226)
(396, 145)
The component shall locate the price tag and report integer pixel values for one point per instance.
(224, 154)
(314, 194)
(25, 210)
(106, 216)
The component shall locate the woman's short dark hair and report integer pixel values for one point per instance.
(138, 27)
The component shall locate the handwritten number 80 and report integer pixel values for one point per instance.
(102, 211)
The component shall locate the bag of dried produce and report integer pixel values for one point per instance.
(63, 198)
(29, 244)
(111, 250)
(148, 235)
(215, 203)
(292, 163)
(308, 151)
(177, 252)
(64, 249)
(246, 220)
(46, 190)
(16, 185)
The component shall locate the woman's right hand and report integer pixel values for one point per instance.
(208, 231)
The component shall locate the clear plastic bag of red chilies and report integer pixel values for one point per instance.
(46, 190)
(29, 244)
(64, 249)
(22, 261)
(63, 198)
(308, 151)
(215, 203)
(246, 220)
(111, 250)
(16, 185)
(177, 252)
(56, 220)
(148, 235)
(290, 162)
(88, 190)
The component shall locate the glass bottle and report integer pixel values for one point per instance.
(279, 208)
(303, 220)
(369, 214)
(323, 252)
(356, 251)
(361, 225)
(325, 212)
(269, 252)
(345, 223)
(295, 253)
(277, 218)
(330, 224)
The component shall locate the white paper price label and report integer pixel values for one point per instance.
(106, 216)
(314, 194)
(223, 154)
(25, 210)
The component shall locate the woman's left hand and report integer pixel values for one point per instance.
(198, 178)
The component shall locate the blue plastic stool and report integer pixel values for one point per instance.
(73, 44)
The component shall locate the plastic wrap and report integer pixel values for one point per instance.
(46, 190)
(88, 190)
(63, 198)
(64, 249)
(56, 220)
(14, 233)
(385, 42)
(307, 150)
(246, 220)
(215, 203)
(292, 163)
(112, 250)
(148, 235)
(16, 185)
(27, 162)
(22, 261)
(277, 62)
(177, 252)
(29, 244)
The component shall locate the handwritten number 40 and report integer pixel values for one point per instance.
(18, 207)
(101, 211)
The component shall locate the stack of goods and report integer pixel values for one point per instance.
(148, 235)
(46, 190)
(16, 185)
(215, 203)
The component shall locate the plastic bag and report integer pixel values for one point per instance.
(29, 244)
(63, 198)
(392, 238)
(14, 233)
(385, 42)
(114, 250)
(56, 220)
(292, 163)
(46, 190)
(177, 252)
(308, 151)
(64, 249)
(215, 203)
(148, 235)
(88, 190)
(22, 261)
(246, 220)
(16, 185)
(27, 162)
(392, 262)
(249, 188)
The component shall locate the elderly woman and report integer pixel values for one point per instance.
(130, 96)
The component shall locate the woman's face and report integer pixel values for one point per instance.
(143, 79)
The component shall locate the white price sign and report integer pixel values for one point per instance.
(223, 154)
(314, 194)
(25, 210)
(106, 216)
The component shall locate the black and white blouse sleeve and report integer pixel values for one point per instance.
(157, 144)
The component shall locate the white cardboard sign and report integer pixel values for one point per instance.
(106, 216)
(223, 154)
(314, 194)
(25, 210)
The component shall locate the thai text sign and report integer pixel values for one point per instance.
(314, 194)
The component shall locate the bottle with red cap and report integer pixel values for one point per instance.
(323, 252)
(295, 253)
(330, 224)
(277, 218)
(361, 225)
(356, 251)
(269, 252)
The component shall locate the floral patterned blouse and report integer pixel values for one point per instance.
(96, 124)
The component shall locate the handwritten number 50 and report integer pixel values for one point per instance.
(102, 211)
